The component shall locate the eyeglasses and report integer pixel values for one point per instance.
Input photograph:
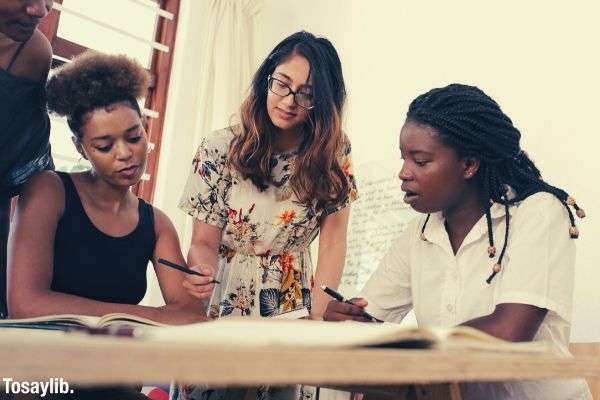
(282, 89)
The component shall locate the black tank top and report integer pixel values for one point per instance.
(24, 129)
(94, 265)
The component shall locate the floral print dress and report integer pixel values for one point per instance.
(265, 267)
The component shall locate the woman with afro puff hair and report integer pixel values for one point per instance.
(80, 242)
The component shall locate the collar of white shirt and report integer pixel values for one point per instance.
(435, 232)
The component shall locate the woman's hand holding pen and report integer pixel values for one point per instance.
(354, 309)
(201, 287)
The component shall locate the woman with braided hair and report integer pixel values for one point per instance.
(465, 171)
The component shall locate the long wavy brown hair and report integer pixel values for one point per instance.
(318, 174)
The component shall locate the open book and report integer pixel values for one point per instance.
(291, 332)
(308, 333)
(64, 321)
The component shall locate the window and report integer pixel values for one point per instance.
(142, 29)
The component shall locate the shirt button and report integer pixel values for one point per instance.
(449, 307)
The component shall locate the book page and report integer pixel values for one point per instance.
(260, 332)
(85, 320)
(116, 318)
(467, 338)
(273, 331)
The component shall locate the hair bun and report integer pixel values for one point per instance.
(93, 80)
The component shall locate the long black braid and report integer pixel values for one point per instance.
(473, 124)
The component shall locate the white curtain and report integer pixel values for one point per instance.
(227, 67)
(212, 68)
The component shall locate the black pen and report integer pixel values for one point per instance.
(341, 298)
(183, 269)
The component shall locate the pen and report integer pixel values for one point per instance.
(183, 269)
(341, 298)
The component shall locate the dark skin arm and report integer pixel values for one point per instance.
(510, 321)
(31, 254)
(341, 311)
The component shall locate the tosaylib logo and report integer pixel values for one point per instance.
(41, 388)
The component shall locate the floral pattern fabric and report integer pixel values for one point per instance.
(265, 267)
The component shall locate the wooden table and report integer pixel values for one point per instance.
(84, 359)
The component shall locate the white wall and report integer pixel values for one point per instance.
(538, 59)
(181, 116)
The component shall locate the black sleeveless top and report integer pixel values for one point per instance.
(24, 130)
(94, 265)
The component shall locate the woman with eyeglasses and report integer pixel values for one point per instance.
(261, 191)
(25, 56)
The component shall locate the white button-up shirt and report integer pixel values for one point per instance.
(447, 289)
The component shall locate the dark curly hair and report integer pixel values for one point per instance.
(472, 123)
(94, 80)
